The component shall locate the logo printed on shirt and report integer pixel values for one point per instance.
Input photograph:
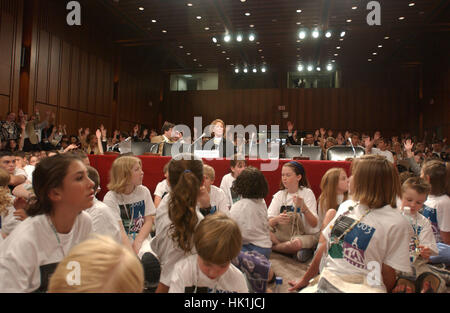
(137, 220)
(355, 244)
(431, 215)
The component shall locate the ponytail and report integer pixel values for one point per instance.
(185, 177)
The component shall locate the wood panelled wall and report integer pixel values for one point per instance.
(71, 71)
(364, 109)
(10, 52)
(436, 91)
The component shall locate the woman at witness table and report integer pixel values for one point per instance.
(30, 254)
(218, 141)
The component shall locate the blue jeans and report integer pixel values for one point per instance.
(444, 254)
(264, 251)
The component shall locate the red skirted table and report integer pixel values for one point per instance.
(153, 173)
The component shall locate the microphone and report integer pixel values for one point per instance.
(195, 141)
(301, 146)
(354, 151)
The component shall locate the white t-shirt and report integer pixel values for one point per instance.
(251, 216)
(188, 278)
(162, 244)
(421, 227)
(32, 251)
(218, 201)
(283, 198)
(162, 189)
(19, 171)
(382, 236)
(437, 210)
(103, 220)
(225, 185)
(132, 208)
(29, 169)
(386, 153)
(8, 222)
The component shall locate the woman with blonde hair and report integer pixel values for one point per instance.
(131, 201)
(104, 266)
(218, 141)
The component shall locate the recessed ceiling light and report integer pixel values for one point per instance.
(199, 17)
(370, 60)
(195, 60)
(380, 46)
(336, 54)
(153, 21)
(318, 68)
(298, 23)
(299, 11)
(188, 53)
(164, 31)
(251, 26)
(342, 34)
(333, 61)
(262, 57)
(227, 38)
(255, 70)
(354, 8)
(349, 20)
(189, 4)
(338, 47)
(245, 70)
(247, 13)
(298, 40)
(214, 39)
(263, 69)
(200, 65)
(228, 58)
(328, 34)
(224, 52)
(374, 53)
(401, 18)
(300, 68)
(387, 37)
(243, 0)
(341, 39)
(181, 47)
(239, 38)
(236, 70)
(141, 9)
(411, 4)
(251, 37)
(310, 68)
(218, 45)
(302, 35)
(257, 42)
(206, 28)
(260, 50)
(315, 33)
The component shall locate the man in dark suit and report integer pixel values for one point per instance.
(165, 137)
(293, 140)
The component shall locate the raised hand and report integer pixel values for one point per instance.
(290, 126)
(408, 145)
(87, 131)
(322, 131)
(368, 143)
(98, 134)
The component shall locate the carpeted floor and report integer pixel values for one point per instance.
(289, 269)
(286, 267)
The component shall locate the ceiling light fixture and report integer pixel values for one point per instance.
(251, 37)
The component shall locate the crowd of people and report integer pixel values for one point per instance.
(195, 237)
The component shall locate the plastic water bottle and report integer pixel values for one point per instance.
(278, 283)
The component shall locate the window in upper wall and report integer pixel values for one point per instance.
(198, 81)
(314, 79)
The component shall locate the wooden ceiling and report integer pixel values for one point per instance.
(187, 43)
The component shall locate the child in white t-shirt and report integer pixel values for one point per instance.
(103, 219)
(217, 240)
(422, 244)
(293, 213)
(237, 165)
(131, 202)
(250, 212)
(368, 240)
(178, 216)
(163, 188)
(215, 199)
(30, 254)
(437, 207)
(334, 186)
